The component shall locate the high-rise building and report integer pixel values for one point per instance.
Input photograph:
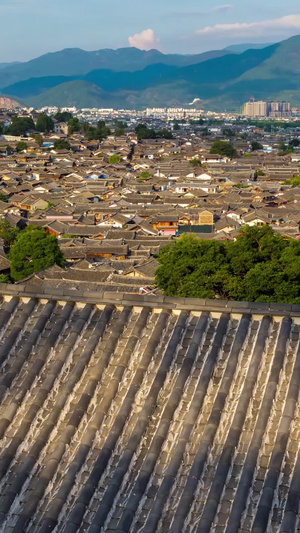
(260, 109)
(279, 109)
(255, 109)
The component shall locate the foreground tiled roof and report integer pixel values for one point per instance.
(133, 413)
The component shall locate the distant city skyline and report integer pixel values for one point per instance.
(32, 28)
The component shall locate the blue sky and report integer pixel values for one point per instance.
(33, 27)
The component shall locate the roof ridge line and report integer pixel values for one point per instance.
(149, 300)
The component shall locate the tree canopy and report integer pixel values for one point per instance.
(223, 148)
(8, 233)
(145, 175)
(120, 124)
(44, 123)
(113, 159)
(39, 139)
(63, 116)
(143, 132)
(255, 145)
(98, 132)
(260, 266)
(20, 125)
(294, 181)
(73, 125)
(21, 146)
(33, 250)
(195, 162)
(61, 144)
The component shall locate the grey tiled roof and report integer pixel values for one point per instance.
(147, 413)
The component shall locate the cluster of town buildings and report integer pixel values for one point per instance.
(111, 220)
(190, 112)
(124, 411)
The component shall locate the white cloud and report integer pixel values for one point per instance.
(284, 26)
(223, 7)
(146, 40)
(200, 12)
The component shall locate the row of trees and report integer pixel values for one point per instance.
(143, 132)
(260, 266)
(22, 125)
(44, 124)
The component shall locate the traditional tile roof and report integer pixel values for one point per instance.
(134, 413)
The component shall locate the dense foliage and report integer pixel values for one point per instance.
(63, 116)
(256, 146)
(260, 266)
(294, 181)
(73, 125)
(223, 148)
(21, 146)
(98, 132)
(113, 159)
(44, 123)
(33, 250)
(20, 125)
(195, 162)
(7, 232)
(143, 132)
(61, 144)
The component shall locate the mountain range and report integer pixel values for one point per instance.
(133, 78)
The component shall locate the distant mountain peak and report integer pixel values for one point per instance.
(130, 77)
(243, 47)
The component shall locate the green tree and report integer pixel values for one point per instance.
(20, 125)
(8, 233)
(195, 162)
(294, 142)
(223, 148)
(9, 149)
(119, 132)
(21, 146)
(145, 175)
(256, 146)
(120, 124)
(282, 146)
(113, 159)
(61, 144)
(259, 266)
(63, 116)
(3, 197)
(73, 125)
(102, 131)
(294, 181)
(164, 134)
(4, 278)
(39, 139)
(143, 132)
(91, 133)
(44, 123)
(33, 251)
(187, 267)
(84, 127)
